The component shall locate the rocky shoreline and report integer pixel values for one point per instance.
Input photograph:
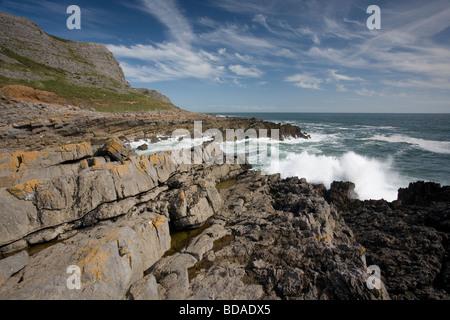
(73, 196)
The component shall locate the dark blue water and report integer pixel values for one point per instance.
(379, 152)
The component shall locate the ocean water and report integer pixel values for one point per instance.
(378, 152)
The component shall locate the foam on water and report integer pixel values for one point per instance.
(373, 178)
(172, 143)
(428, 145)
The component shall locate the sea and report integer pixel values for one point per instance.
(380, 153)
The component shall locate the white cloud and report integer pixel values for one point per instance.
(304, 81)
(235, 37)
(222, 51)
(246, 72)
(167, 12)
(341, 77)
(166, 61)
(244, 58)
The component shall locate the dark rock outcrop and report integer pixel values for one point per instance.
(408, 239)
(423, 193)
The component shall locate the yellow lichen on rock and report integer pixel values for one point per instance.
(8, 163)
(94, 261)
(97, 164)
(25, 191)
(142, 165)
(27, 157)
(83, 147)
(114, 145)
(158, 221)
(157, 158)
(121, 169)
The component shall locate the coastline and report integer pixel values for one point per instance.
(76, 197)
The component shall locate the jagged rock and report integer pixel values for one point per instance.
(341, 193)
(117, 150)
(203, 243)
(407, 239)
(423, 193)
(225, 281)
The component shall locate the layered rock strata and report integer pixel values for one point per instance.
(34, 126)
(111, 214)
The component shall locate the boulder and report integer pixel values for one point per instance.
(143, 147)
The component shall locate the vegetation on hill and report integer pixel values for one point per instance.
(56, 80)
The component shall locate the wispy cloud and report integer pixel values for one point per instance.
(171, 60)
(236, 37)
(304, 81)
(331, 43)
(340, 77)
(166, 61)
(168, 13)
(247, 72)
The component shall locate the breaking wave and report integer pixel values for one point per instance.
(428, 145)
(373, 178)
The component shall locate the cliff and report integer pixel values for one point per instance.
(85, 64)
(81, 73)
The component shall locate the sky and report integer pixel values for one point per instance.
(269, 55)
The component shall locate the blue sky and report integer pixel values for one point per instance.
(269, 55)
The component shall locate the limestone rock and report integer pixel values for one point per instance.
(117, 150)
(145, 289)
(110, 260)
(12, 265)
(172, 273)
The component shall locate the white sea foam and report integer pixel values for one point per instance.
(316, 137)
(373, 178)
(428, 145)
(172, 143)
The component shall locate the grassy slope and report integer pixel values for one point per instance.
(56, 80)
